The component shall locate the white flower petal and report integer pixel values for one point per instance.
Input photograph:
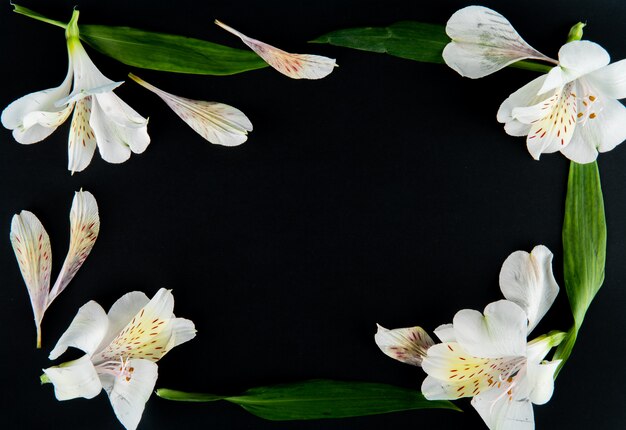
(610, 80)
(129, 394)
(541, 381)
(85, 331)
(483, 42)
(436, 389)
(527, 280)
(216, 122)
(408, 345)
(501, 412)
(31, 245)
(501, 332)
(74, 379)
(118, 128)
(445, 333)
(122, 312)
(82, 140)
(296, 66)
(603, 125)
(579, 150)
(183, 330)
(525, 96)
(84, 228)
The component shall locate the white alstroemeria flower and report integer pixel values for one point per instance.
(574, 109)
(485, 355)
(100, 118)
(31, 245)
(218, 123)
(122, 348)
(296, 66)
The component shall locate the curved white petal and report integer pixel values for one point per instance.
(296, 66)
(82, 141)
(527, 280)
(541, 381)
(148, 335)
(31, 245)
(216, 122)
(85, 331)
(74, 379)
(118, 128)
(610, 80)
(130, 392)
(501, 332)
(436, 389)
(84, 228)
(525, 96)
(36, 115)
(183, 330)
(483, 42)
(445, 333)
(499, 411)
(408, 345)
(603, 125)
(122, 312)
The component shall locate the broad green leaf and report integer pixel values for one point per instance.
(584, 245)
(160, 51)
(407, 39)
(318, 399)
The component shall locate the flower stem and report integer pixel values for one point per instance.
(34, 15)
(38, 336)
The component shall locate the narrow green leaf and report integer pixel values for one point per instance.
(182, 396)
(35, 15)
(584, 245)
(168, 52)
(319, 399)
(160, 51)
(412, 40)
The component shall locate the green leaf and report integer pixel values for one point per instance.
(182, 396)
(318, 399)
(168, 52)
(160, 51)
(412, 40)
(584, 245)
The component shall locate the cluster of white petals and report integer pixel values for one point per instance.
(574, 109)
(486, 355)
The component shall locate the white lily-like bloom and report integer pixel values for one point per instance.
(218, 123)
(296, 66)
(122, 348)
(31, 245)
(100, 117)
(573, 109)
(485, 355)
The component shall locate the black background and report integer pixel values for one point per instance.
(385, 193)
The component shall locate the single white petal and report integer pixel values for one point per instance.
(576, 59)
(501, 412)
(118, 128)
(122, 312)
(74, 379)
(579, 150)
(31, 245)
(148, 335)
(84, 228)
(541, 380)
(82, 141)
(131, 391)
(216, 122)
(610, 80)
(445, 333)
(483, 42)
(527, 280)
(88, 80)
(436, 389)
(408, 345)
(501, 332)
(35, 116)
(296, 66)
(85, 331)
(516, 128)
(183, 330)
(525, 96)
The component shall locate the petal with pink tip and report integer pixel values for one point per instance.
(408, 345)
